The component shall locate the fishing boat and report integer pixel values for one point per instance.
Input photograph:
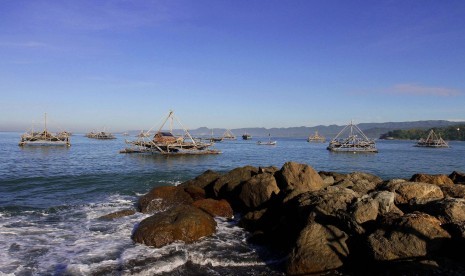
(101, 135)
(316, 138)
(354, 141)
(166, 143)
(228, 135)
(142, 133)
(433, 140)
(45, 137)
(214, 139)
(268, 143)
(125, 134)
(246, 136)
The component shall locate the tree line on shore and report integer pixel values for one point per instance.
(455, 132)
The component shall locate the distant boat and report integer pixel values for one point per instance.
(246, 136)
(432, 141)
(125, 134)
(316, 138)
(269, 143)
(228, 135)
(214, 139)
(142, 133)
(165, 142)
(101, 135)
(356, 141)
(45, 137)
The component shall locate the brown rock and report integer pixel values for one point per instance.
(406, 191)
(456, 191)
(409, 236)
(449, 210)
(301, 177)
(202, 180)
(318, 249)
(195, 192)
(258, 190)
(365, 209)
(457, 177)
(183, 223)
(438, 179)
(162, 198)
(119, 214)
(362, 183)
(251, 220)
(225, 186)
(328, 200)
(216, 208)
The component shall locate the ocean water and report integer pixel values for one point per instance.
(51, 199)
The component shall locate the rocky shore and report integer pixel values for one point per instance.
(322, 222)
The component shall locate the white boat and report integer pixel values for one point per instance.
(45, 137)
(355, 141)
(269, 143)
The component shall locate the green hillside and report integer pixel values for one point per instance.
(455, 132)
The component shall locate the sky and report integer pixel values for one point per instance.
(123, 64)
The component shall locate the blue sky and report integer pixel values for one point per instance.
(123, 64)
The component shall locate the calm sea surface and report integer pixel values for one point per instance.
(51, 199)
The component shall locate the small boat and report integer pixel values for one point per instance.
(228, 135)
(269, 143)
(101, 135)
(356, 141)
(45, 137)
(214, 139)
(246, 136)
(166, 143)
(316, 138)
(432, 141)
(125, 134)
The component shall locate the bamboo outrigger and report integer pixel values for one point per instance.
(165, 142)
(45, 137)
(356, 141)
(433, 140)
(316, 138)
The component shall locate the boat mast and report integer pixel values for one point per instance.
(45, 122)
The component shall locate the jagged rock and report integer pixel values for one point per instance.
(195, 192)
(252, 220)
(270, 169)
(202, 180)
(299, 177)
(226, 185)
(457, 177)
(406, 191)
(318, 249)
(360, 182)
(365, 209)
(328, 200)
(162, 198)
(456, 191)
(119, 214)
(409, 236)
(183, 223)
(337, 177)
(448, 210)
(438, 179)
(216, 208)
(258, 190)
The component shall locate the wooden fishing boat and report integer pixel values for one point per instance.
(355, 141)
(214, 139)
(433, 140)
(228, 135)
(246, 136)
(45, 137)
(165, 142)
(316, 138)
(101, 135)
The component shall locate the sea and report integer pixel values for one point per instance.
(52, 198)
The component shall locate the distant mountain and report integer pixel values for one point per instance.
(372, 130)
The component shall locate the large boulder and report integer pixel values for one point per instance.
(368, 207)
(406, 191)
(162, 198)
(118, 214)
(456, 191)
(300, 177)
(216, 208)
(227, 185)
(183, 223)
(457, 177)
(318, 249)
(438, 179)
(258, 190)
(360, 182)
(202, 180)
(409, 236)
(448, 210)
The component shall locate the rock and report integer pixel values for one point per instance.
(216, 208)
(271, 170)
(438, 179)
(456, 191)
(258, 190)
(162, 198)
(119, 214)
(360, 182)
(183, 223)
(409, 236)
(226, 186)
(328, 200)
(202, 180)
(301, 177)
(195, 192)
(406, 191)
(457, 177)
(449, 210)
(251, 221)
(385, 202)
(318, 249)
(337, 177)
(365, 209)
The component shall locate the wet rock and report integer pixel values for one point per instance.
(438, 179)
(252, 220)
(318, 249)
(258, 190)
(195, 192)
(202, 180)
(118, 214)
(298, 177)
(226, 186)
(216, 208)
(162, 198)
(183, 223)
(457, 177)
(406, 191)
(409, 236)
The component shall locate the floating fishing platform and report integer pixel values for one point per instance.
(228, 135)
(45, 138)
(433, 140)
(316, 138)
(354, 141)
(101, 135)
